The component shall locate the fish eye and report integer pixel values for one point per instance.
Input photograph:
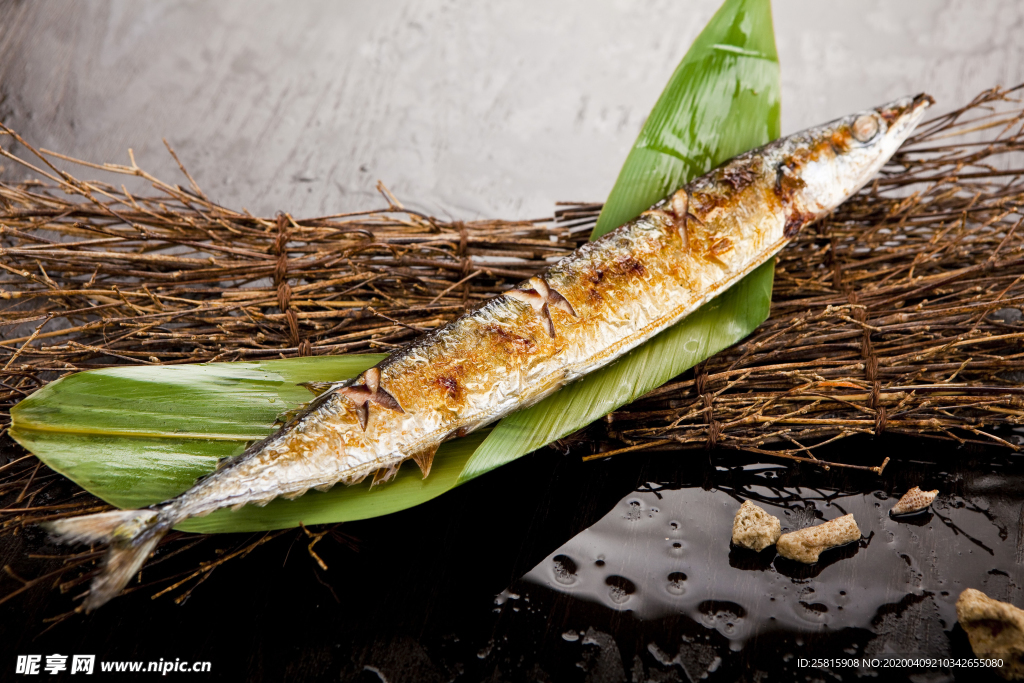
(864, 128)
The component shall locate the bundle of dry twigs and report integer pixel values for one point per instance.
(900, 313)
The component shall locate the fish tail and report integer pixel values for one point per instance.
(131, 535)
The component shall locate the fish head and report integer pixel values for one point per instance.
(822, 167)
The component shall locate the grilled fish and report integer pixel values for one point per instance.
(585, 311)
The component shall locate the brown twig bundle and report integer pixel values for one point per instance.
(901, 313)
(175, 278)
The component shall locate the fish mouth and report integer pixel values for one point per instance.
(918, 105)
(923, 100)
(904, 114)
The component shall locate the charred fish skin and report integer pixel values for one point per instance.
(588, 309)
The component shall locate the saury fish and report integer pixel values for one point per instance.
(585, 311)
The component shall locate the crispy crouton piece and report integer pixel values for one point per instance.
(995, 629)
(807, 544)
(754, 528)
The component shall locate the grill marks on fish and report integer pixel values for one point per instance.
(450, 386)
(720, 246)
(788, 185)
(840, 142)
(629, 266)
(740, 176)
(507, 342)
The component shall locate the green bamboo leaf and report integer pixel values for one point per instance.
(723, 99)
(139, 435)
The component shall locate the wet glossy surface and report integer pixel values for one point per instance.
(663, 554)
(667, 545)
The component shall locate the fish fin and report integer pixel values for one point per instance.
(384, 475)
(294, 494)
(288, 415)
(541, 298)
(540, 286)
(384, 398)
(425, 459)
(363, 413)
(556, 300)
(357, 394)
(371, 379)
(131, 535)
(680, 204)
(96, 528)
(545, 316)
(528, 296)
(317, 388)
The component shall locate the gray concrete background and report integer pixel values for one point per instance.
(467, 110)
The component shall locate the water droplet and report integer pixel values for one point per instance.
(816, 607)
(504, 596)
(620, 588)
(564, 570)
(571, 636)
(721, 614)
